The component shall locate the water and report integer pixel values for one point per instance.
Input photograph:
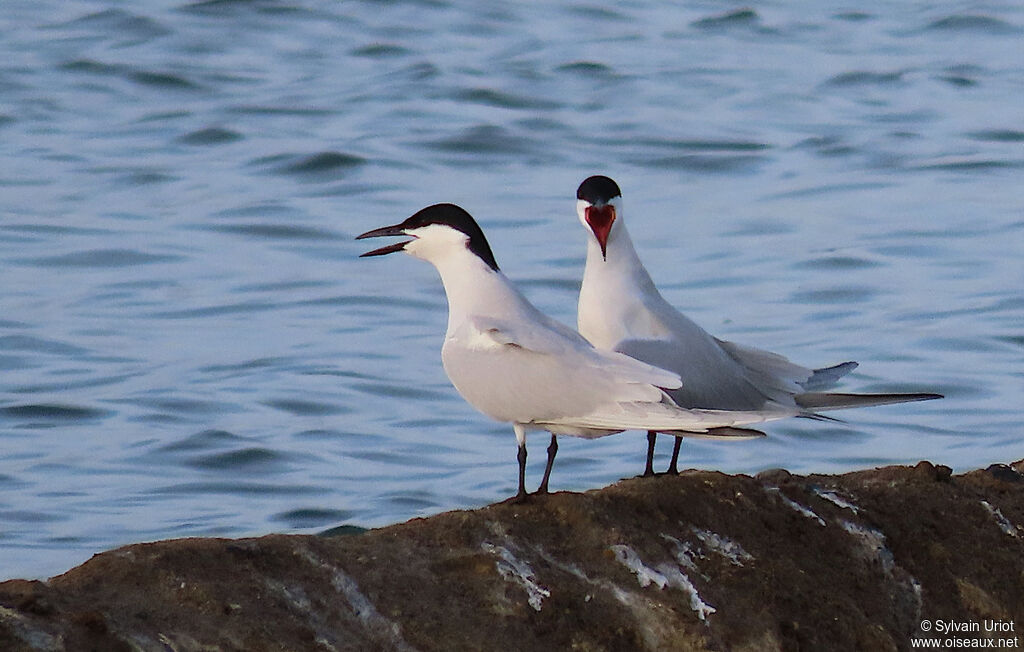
(189, 344)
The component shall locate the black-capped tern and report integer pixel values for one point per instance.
(514, 364)
(620, 309)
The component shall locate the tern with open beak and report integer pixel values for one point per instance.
(621, 310)
(516, 365)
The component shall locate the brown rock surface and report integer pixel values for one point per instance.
(700, 561)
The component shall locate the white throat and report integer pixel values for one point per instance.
(472, 287)
(617, 293)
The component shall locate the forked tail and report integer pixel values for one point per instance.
(828, 401)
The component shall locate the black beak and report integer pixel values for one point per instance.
(396, 229)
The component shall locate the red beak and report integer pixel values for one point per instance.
(600, 219)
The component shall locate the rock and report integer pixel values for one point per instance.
(698, 561)
(774, 476)
(1005, 473)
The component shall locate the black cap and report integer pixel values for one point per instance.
(449, 215)
(598, 190)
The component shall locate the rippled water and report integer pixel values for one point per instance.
(190, 346)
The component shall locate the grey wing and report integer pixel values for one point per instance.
(556, 339)
(768, 369)
(527, 373)
(667, 417)
(777, 373)
(711, 378)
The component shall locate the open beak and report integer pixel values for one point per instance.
(396, 229)
(600, 219)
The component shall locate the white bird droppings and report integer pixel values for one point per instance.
(664, 575)
(724, 546)
(874, 543)
(789, 502)
(382, 630)
(834, 498)
(685, 554)
(1004, 523)
(645, 575)
(517, 570)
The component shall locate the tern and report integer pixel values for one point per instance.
(514, 364)
(620, 309)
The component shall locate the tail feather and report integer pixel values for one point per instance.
(724, 432)
(819, 417)
(825, 401)
(731, 432)
(828, 376)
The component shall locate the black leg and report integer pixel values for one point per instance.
(521, 494)
(649, 469)
(673, 465)
(552, 451)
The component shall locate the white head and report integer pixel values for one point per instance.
(599, 206)
(437, 232)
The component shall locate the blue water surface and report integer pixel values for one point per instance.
(189, 345)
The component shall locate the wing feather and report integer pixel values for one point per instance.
(570, 345)
(668, 417)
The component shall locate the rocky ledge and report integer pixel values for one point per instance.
(701, 561)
